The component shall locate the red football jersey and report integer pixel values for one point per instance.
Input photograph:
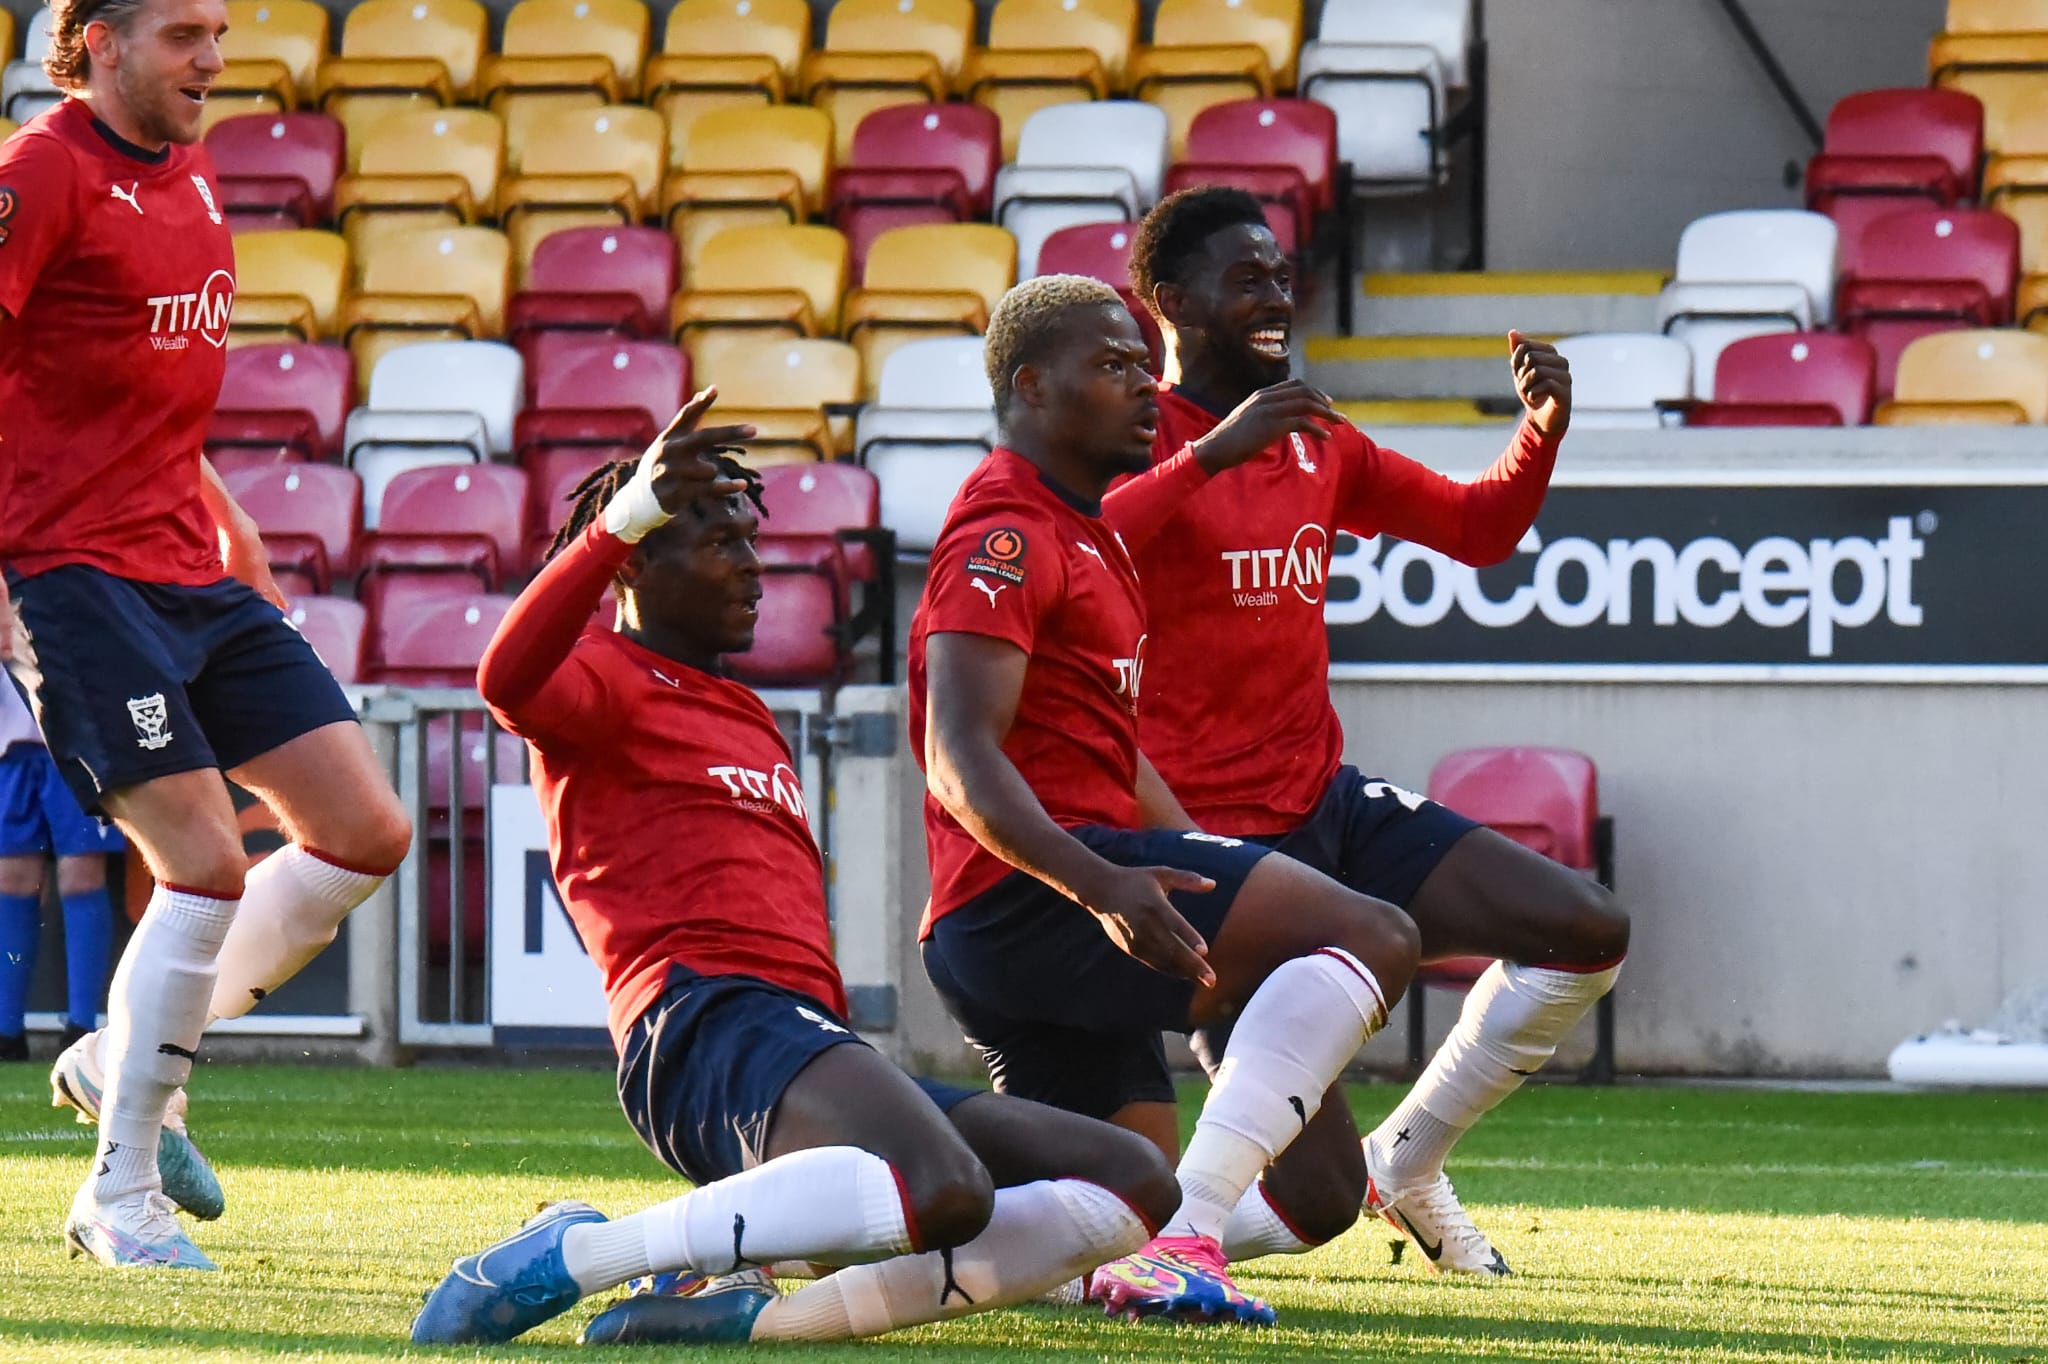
(1022, 561)
(117, 275)
(1237, 714)
(677, 826)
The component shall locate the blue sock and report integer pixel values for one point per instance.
(88, 943)
(21, 926)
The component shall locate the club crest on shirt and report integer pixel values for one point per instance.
(8, 203)
(1308, 466)
(1000, 555)
(206, 197)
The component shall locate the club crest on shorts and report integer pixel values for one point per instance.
(152, 721)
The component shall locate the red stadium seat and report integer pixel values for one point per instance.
(606, 278)
(650, 377)
(468, 518)
(1927, 270)
(828, 518)
(1283, 151)
(1103, 251)
(428, 635)
(1548, 800)
(553, 472)
(311, 516)
(337, 629)
(287, 395)
(1791, 379)
(915, 163)
(277, 170)
(1891, 149)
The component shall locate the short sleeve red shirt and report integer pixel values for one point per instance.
(1021, 561)
(117, 276)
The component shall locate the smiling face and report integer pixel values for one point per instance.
(1234, 311)
(150, 71)
(697, 580)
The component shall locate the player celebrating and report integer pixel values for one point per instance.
(159, 670)
(736, 1064)
(1250, 467)
(1051, 921)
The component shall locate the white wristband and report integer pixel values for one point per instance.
(634, 510)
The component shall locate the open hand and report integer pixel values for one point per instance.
(1272, 413)
(1132, 907)
(1543, 381)
(681, 463)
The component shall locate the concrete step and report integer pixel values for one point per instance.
(1381, 368)
(1547, 302)
(1372, 416)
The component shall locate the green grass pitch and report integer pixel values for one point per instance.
(1645, 1224)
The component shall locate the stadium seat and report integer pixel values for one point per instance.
(1748, 273)
(592, 167)
(1971, 377)
(799, 640)
(1282, 151)
(1790, 379)
(337, 629)
(272, 52)
(428, 283)
(1548, 800)
(564, 54)
(1888, 150)
(1103, 251)
(289, 284)
(396, 54)
(607, 279)
(932, 421)
(311, 516)
(1623, 379)
(434, 402)
(1043, 52)
(1926, 270)
(1081, 163)
(925, 280)
(823, 518)
(912, 164)
(25, 90)
(553, 473)
(784, 388)
(883, 52)
(1205, 52)
(468, 519)
(8, 128)
(6, 35)
(435, 640)
(288, 396)
(638, 385)
(783, 280)
(1993, 49)
(278, 169)
(422, 168)
(743, 166)
(726, 53)
(1388, 70)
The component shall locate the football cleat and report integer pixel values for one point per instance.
(1432, 1218)
(188, 1178)
(685, 1283)
(1182, 1277)
(712, 1315)
(138, 1233)
(506, 1289)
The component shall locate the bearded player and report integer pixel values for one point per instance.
(1246, 461)
(165, 664)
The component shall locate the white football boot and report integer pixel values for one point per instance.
(77, 1083)
(1434, 1221)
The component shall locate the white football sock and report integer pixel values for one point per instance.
(1256, 1228)
(1511, 1024)
(1297, 1032)
(156, 1010)
(838, 1204)
(1040, 1236)
(292, 906)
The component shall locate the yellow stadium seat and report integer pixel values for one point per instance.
(564, 54)
(747, 166)
(1206, 52)
(7, 128)
(399, 53)
(883, 52)
(777, 280)
(931, 279)
(1993, 49)
(582, 167)
(428, 284)
(7, 47)
(1983, 376)
(1044, 52)
(272, 51)
(422, 168)
(1996, 16)
(288, 284)
(721, 53)
(783, 387)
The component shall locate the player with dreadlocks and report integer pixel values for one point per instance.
(682, 845)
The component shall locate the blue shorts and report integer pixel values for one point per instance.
(141, 680)
(1374, 837)
(39, 817)
(702, 1070)
(1061, 1014)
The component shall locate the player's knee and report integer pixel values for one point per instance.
(1386, 940)
(1136, 1171)
(379, 837)
(20, 876)
(81, 875)
(1600, 926)
(951, 1201)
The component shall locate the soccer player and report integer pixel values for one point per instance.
(164, 659)
(40, 820)
(1073, 905)
(1254, 474)
(681, 841)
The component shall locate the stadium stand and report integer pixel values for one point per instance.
(1081, 163)
(1790, 379)
(1388, 70)
(433, 402)
(1103, 251)
(784, 279)
(1205, 52)
(1971, 377)
(1747, 273)
(423, 168)
(396, 54)
(915, 164)
(1045, 52)
(643, 382)
(283, 400)
(1281, 151)
(289, 284)
(272, 50)
(932, 420)
(583, 167)
(277, 169)
(311, 516)
(24, 90)
(428, 283)
(469, 520)
(883, 52)
(338, 630)
(1926, 270)
(726, 53)
(1624, 380)
(608, 279)
(1887, 150)
(560, 55)
(791, 390)
(922, 280)
(743, 166)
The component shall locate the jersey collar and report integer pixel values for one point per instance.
(126, 148)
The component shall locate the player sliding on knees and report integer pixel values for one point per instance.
(702, 899)
(1074, 910)
(162, 659)
(1249, 468)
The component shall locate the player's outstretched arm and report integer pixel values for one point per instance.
(241, 543)
(973, 686)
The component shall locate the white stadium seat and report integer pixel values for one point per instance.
(1096, 161)
(1387, 67)
(1619, 378)
(1748, 273)
(438, 402)
(24, 90)
(932, 421)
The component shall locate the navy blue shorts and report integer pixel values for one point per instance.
(1061, 1014)
(1374, 837)
(702, 1070)
(38, 814)
(139, 680)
